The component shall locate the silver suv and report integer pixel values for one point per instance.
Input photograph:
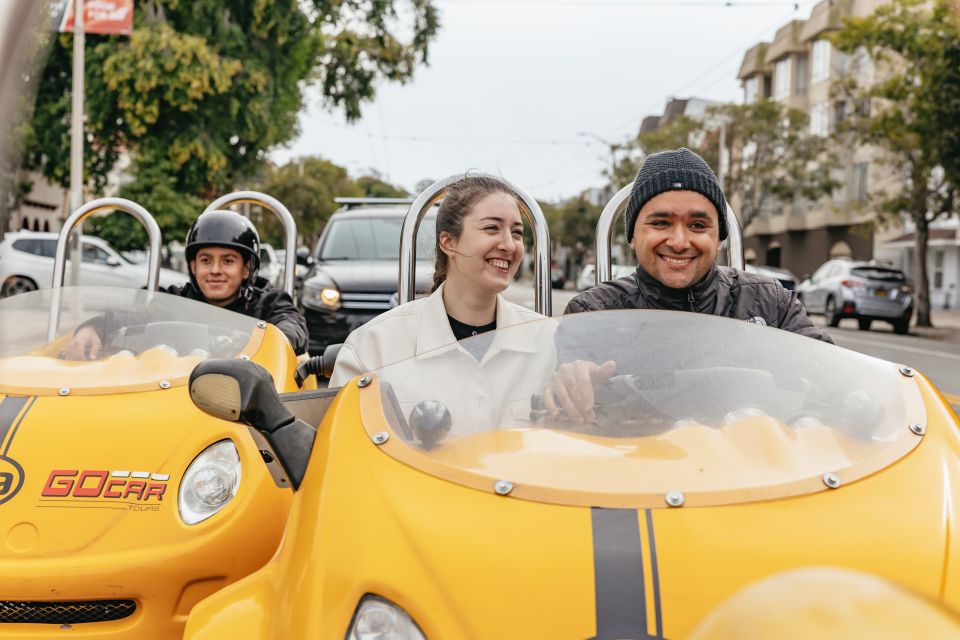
(866, 291)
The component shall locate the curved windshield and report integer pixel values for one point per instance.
(719, 409)
(142, 337)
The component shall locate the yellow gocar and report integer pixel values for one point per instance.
(730, 466)
(121, 504)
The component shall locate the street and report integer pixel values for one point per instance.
(937, 359)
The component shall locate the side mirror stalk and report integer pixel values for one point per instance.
(243, 391)
(320, 366)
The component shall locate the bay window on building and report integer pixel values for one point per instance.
(819, 119)
(781, 79)
(820, 62)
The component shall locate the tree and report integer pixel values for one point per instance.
(203, 88)
(573, 223)
(374, 186)
(913, 114)
(679, 132)
(775, 157)
(308, 187)
(156, 190)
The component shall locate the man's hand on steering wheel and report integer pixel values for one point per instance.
(571, 388)
(85, 345)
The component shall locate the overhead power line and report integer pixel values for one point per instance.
(718, 4)
(553, 142)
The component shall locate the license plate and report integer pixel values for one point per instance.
(880, 293)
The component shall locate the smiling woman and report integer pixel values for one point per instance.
(479, 247)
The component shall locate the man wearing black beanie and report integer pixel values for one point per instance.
(675, 222)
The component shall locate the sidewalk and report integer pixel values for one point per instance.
(946, 326)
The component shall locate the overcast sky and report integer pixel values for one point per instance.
(511, 85)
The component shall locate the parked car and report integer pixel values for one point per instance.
(586, 279)
(26, 264)
(557, 278)
(356, 269)
(866, 291)
(784, 276)
(301, 267)
(271, 266)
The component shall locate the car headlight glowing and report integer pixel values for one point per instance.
(330, 297)
(211, 481)
(325, 298)
(379, 619)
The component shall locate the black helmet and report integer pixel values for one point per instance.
(224, 229)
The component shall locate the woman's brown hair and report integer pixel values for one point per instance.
(457, 203)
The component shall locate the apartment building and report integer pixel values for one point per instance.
(797, 69)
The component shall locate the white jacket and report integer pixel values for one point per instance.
(418, 355)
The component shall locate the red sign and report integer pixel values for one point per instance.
(112, 17)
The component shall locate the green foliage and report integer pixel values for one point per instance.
(573, 223)
(776, 158)
(914, 113)
(203, 88)
(155, 188)
(675, 134)
(373, 186)
(307, 187)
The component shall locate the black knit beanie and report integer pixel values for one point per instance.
(680, 170)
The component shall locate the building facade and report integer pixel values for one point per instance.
(798, 69)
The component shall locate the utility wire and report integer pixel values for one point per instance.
(625, 3)
(738, 52)
(460, 139)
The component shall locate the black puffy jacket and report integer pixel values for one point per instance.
(264, 303)
(724, 291)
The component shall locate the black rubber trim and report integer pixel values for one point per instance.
(64, 612)
(10, 408)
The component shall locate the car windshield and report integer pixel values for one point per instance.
(147, 337)
(721, 410)
(372, 238)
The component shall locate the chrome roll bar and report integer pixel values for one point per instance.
(286, 219)
(99, 206)
(543, 301)
(615, 207)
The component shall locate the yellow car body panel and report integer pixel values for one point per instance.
(94, 537)
(471, 564)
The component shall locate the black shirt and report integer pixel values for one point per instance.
(461, 331)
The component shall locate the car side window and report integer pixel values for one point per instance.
(94, 254)
(822, 272)
(27, 245)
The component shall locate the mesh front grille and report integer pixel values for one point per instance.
(65, 612)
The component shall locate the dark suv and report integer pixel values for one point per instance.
(357, 267)
(866, 291)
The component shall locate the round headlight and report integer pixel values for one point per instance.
(330, 297)
(377, 618)
(211, 481)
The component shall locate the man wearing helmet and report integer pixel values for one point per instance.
(223, 254)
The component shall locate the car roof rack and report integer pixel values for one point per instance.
(353, 203)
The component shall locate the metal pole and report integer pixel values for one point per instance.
(76, 134)
(721, 160)
(615, 206)
(76, 219)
